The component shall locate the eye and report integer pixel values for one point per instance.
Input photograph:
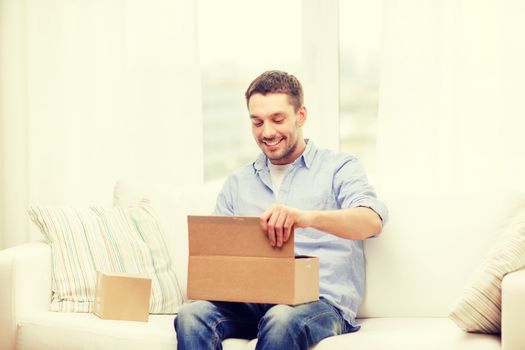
(257, 122)
(278, 121)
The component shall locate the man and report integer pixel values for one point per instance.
(324, 196)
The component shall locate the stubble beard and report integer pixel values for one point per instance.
(287, 152)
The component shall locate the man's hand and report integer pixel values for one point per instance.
(352, 223)
(278, 222)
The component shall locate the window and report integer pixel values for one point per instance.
(238, 40)
(359, 60)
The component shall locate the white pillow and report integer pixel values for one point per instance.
(479, 309)
(107, 239)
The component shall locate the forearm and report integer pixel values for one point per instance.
(354, 223)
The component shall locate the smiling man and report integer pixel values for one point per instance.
(274, 127)
(324, 196)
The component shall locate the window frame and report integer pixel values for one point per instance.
(320, 75)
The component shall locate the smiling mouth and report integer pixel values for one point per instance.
(271, 143)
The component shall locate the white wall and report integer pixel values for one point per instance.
(93, 91)
(451, 113)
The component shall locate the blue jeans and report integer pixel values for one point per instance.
(203, 325)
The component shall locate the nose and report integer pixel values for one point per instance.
(268, 131)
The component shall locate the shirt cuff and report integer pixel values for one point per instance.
(378, 207)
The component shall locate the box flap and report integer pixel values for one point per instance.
(232, 236)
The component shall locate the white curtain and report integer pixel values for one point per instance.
(92, 91)
(452, 97)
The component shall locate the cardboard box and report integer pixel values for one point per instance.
(122, 296)
(231, 259)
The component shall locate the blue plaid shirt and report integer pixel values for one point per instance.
(319, 179)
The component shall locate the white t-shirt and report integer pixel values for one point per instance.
(277, 173)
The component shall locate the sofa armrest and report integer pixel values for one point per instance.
(513, 310)
(25, 286)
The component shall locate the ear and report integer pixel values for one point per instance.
(301, 116)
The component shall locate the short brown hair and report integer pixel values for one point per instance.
(275, 82)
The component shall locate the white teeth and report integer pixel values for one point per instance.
(273, 143)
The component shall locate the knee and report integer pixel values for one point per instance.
(279, 321)
(192, 316)
(281, 328)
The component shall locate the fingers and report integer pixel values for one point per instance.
(270, 225)
(264, 224)
(278, 222)
(288, 226)
(278, 228)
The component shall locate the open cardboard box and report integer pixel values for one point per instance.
(231, 259)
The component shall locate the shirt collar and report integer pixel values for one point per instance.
(305, 159)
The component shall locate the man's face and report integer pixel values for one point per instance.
(276, 127)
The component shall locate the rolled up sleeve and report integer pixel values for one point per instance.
(352, 189)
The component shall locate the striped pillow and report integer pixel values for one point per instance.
(107, 239)
(479, 309)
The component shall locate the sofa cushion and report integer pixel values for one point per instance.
(80, 331)
(406, 334)
(479, 308)
(118, 239)
(52, 330)
(410, 334)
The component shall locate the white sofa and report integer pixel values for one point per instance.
(416, 270)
